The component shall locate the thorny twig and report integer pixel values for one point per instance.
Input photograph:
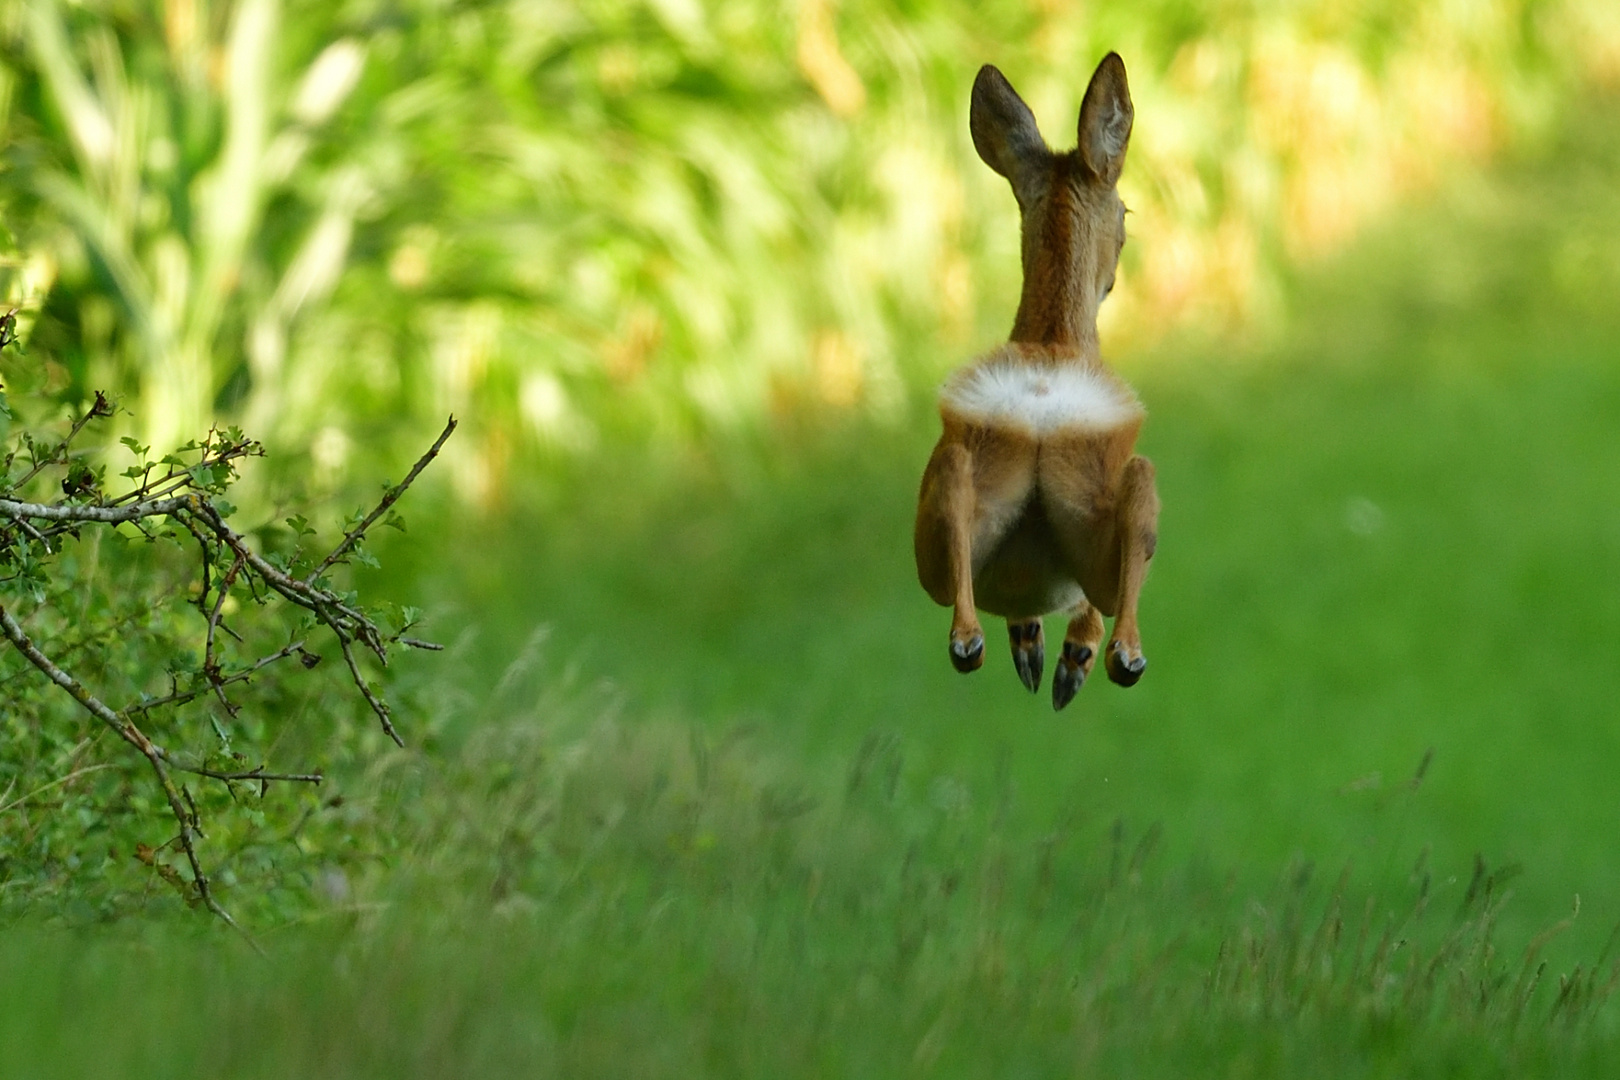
(182, 495)
(211, 665)
(378, 706)
(58, 456)
(257, 774)
(34, 534)
(389, 499)
(180, 697)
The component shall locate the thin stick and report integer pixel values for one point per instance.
(101, 408)
(378, 706)
(207, 564)
(175, 478)
(250, 774)
(392, 496)
(23, 524)
(43, 788)
(210, 665)
(174, 481)
(180, 697)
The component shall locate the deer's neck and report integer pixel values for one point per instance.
(1059, 305)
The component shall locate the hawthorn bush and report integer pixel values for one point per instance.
(167, 673)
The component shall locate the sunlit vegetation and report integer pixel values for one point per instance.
(585, 222)
(694, 791)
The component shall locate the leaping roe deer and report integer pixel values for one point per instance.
(1034, 500)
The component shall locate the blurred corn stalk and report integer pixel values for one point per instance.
(146, 147)
(588, 221)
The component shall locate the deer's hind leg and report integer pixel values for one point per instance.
(970, 499)
(1028, 650)
(1108, 532)
(1080, 645)
(1137, 531)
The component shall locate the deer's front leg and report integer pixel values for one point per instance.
(1138, 534)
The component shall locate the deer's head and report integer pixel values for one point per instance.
(1073, 219)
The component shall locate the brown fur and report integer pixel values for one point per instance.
(1020, 521)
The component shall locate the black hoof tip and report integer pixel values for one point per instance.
(1070, 675)
(968, 655)
(1066, 683)
(1029, 653)
(1030, 665)
(1125, 671)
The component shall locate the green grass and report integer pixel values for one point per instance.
(802, 846)
(590, 899)
(1391, 530)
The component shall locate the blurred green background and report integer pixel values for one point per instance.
(689, 273)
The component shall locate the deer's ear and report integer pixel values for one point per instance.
(1105, 120)
(1004, 131)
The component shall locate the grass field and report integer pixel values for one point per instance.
(734, 815)
(1388, 532)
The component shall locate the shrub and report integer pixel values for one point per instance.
(134, 608)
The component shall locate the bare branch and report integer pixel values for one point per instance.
(23, 524)
(256, 774)
(207, 564)
(378, 706)
(344, 620)
(124, 728)
(210, 665)
(392, 496)
(105, 515)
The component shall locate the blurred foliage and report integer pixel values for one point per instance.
(578, 221)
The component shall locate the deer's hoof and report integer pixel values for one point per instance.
(967, 654)
(1123, 668)
(1072, 668)
(1028, 652)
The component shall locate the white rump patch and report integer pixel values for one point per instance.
(1040, 398)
